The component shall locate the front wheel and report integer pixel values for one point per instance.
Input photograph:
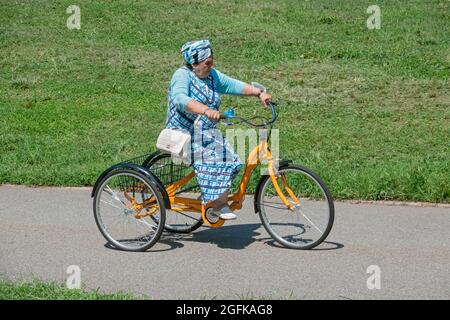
(309, 220)
(129, 210)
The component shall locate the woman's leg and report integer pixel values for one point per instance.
(221, 202)
(221, 207)
(215, 169)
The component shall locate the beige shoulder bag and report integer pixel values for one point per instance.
(176, 142)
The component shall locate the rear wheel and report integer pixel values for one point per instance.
(162, 166)
(310, 220)
(129, 210)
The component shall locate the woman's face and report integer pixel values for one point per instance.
(203, 68)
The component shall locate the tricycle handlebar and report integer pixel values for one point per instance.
(272, 106)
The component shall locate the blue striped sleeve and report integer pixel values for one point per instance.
(226, 84)
(180, 89)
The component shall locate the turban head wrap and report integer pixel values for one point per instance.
(196, 51)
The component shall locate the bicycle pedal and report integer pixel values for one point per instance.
(212, 216)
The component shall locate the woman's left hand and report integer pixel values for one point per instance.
(264, 97)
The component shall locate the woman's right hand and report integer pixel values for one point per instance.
(264, 98)
(212, 114)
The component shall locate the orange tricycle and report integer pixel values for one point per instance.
(136, 200)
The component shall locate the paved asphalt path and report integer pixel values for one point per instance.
(45, 230)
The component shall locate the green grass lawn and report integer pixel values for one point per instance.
(366, 109)
(38, 289)
(41, 290)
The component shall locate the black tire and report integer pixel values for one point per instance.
(125, 180)
(162, 166)
(266, 201)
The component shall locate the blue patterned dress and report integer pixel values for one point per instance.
(213, 159)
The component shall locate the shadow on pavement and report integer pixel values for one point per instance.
(235, 237)
(326, 245)
(156, 248)
(229, 237)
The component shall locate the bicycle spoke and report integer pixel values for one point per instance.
(113, 194)
(301, 212)
(147, 224)
(282, 206)
(111, 204)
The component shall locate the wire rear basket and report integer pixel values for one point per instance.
(166, 170)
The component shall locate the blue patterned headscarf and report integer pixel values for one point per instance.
(196, 51)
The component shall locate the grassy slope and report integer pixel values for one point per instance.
(367, 110)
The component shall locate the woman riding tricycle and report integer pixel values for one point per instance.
(136, 200)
